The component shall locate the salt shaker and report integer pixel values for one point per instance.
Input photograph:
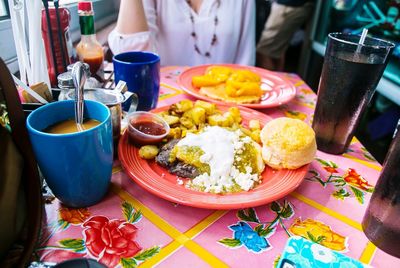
(65, 84)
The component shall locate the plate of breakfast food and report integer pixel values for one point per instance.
(220, 157)
(238, 84)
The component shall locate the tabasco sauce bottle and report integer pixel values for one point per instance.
(89, 49)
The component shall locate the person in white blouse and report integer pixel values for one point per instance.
(187, 32)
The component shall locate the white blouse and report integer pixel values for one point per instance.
(170, 31)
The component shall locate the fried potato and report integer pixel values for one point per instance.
(175, 133)
(191, 117)
(222, 120)
(237, 89)
(148, 151)
(204, 81)
(186, 121)
(210, 108)
(244, 76)
(219, 73)
(227, 84)
(198, 115)
(180, 107)
(236, 114)
(170, 119)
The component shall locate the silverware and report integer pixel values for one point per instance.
(79, 77)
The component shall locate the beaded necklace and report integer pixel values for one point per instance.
(214, 38)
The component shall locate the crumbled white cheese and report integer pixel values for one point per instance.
(221, 147)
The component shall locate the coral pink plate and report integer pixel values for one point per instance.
(277, 90)
(155, 179)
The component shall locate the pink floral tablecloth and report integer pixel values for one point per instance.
(132, 227)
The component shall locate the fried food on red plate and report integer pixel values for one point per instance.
(230, 85)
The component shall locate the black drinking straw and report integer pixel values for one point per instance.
(64, 61)
(46, 7)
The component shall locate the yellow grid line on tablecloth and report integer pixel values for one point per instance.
(299, 83)
(191, 233)
(304, 104)
(363, 162)
(200, 226)
(181, 239)
(328, 211)
(164, 253)
(368, 253)
(170, 95)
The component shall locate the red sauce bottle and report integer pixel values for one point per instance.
(89, 50)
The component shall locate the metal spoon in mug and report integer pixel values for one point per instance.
(79, 77)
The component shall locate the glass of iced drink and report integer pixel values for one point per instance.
(350, 74)
(381, 221)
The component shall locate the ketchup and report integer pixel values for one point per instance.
(149, 127)
(146, 132)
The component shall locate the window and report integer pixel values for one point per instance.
(7, 49)
(4, 12)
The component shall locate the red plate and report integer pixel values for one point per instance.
(155, 179)
(277, 91)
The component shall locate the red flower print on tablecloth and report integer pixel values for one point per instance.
(354, 179)
(110, 240)
(330, 169)
(349, 184)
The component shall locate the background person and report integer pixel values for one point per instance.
(285, 18)
(187, 32)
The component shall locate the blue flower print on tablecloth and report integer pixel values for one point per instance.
(252, 233)
(248, 237)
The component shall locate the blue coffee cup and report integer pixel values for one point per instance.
(77, 166)
(141, 72)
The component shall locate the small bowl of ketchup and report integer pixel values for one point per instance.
(146, 128)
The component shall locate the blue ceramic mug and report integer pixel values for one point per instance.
(141, 72)
(77, 166)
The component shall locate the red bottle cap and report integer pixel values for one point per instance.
(85, 6)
